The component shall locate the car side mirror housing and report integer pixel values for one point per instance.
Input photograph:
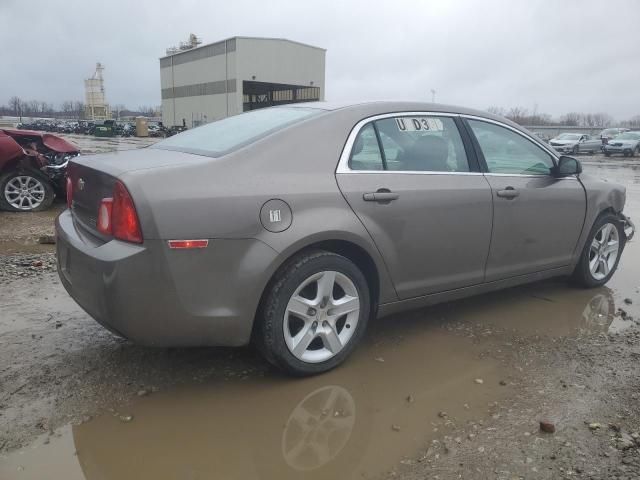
(567, 166)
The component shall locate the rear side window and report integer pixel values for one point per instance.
(221, 137)
(365, 154)
(410, 144)
(508, 152)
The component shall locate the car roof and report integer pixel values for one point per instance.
(372, 108)
(391, 105)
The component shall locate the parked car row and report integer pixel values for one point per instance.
(609, 141)
(55, 126)
(81, 127)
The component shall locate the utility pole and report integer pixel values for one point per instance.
(433, 96)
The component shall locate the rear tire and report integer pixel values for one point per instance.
(38, 192)
(301, 327)
(595, 266)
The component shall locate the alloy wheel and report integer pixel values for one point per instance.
(604, 251)
(321, 316)
(24, 192)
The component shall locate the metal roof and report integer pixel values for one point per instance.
(244, 38)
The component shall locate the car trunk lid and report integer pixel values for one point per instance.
(92, 178)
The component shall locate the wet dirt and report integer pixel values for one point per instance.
(452, 390)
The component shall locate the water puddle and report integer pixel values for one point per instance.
(353, 422)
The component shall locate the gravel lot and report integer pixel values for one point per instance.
(453, 391)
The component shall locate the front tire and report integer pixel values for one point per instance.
(601, 253)
(576, 150)
(25, 191)
(314, 313)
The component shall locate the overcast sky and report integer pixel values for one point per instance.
(557, 55)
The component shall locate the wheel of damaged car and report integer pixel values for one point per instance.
(601, 253)
(25, 191)
(313, 314)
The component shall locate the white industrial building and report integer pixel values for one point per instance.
(210, 82)
(96, 106)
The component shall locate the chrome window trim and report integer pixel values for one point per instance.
(406, 172)
(538, 175)
(343, 163)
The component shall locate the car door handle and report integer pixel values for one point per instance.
(382, 195)
(508, 192)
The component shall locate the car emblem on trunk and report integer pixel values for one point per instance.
(80, 184)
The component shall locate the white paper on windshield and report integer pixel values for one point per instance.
(419, 124)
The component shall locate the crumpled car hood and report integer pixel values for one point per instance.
(50, 141)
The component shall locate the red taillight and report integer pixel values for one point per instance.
(124, 218)
(69, 192)
(117, 216)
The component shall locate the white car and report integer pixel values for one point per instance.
(575, 143)
(627, 144)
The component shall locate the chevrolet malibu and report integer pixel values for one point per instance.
(291, 227)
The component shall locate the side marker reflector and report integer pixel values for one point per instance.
(180, 244)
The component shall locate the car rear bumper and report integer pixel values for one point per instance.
(157, 296)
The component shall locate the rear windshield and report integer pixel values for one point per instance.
(221, 137)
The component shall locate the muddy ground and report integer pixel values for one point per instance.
(453, 391)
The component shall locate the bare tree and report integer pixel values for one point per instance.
(78, 109)
(15, 104)
(32, 107)
(118, 108)
(602, 119)
(66, 108)
(496, 110)
(46, 108)
(571, 119)
(517, 114)
(148, 111)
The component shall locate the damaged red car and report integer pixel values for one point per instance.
(33, 168)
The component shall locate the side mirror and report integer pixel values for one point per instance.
(567, 166)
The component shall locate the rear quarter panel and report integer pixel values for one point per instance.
(221, 198)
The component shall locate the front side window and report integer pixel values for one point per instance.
(410, 144)
(508, 152)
